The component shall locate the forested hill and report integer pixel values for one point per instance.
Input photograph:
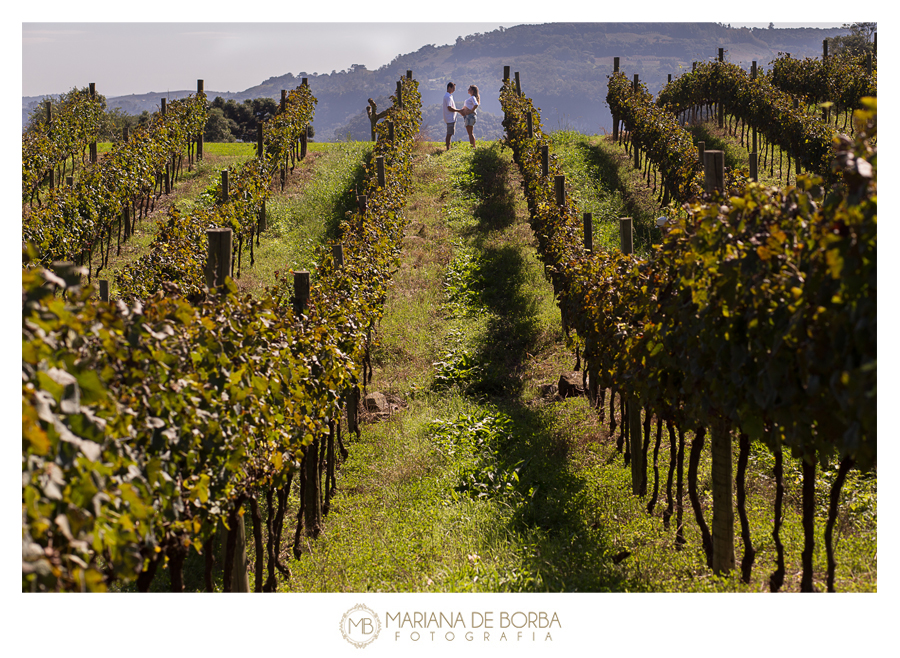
(563, 67)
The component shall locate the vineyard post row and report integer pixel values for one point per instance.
(236, 201)
(659, 324)
(71, 221)
(219, 467)
(48, 145)
(769, 103)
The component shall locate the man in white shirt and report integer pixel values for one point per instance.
(450, 112)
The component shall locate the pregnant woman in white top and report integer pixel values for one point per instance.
(469, 112)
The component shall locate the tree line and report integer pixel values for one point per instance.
(228, 120)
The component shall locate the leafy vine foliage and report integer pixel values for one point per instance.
(757, 311)
(72, 220)
(76, 122)
(761, 105)
(177, 256)
(658, 133)
(839, 79)
(148, 422)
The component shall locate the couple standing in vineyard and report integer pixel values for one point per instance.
(468, 111)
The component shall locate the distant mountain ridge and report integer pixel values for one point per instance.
(563, 68)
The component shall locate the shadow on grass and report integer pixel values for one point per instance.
(496, 209)
(604, 165)
(712, 142)
(346, 203)
(567, 549)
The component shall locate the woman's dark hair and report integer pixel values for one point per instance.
(450, 84)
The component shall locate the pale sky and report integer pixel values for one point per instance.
(126, 54)
(120, 59)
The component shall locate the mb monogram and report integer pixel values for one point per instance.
(360, 626)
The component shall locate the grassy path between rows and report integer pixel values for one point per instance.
(475, 482)
(300, 217)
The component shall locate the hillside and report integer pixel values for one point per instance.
(563, 68)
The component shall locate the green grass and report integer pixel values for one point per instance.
(606, 185)
(306, 214)
(477, 483)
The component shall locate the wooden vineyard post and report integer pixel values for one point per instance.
(200, 135)
(723, 509)
(224, 198)
(518, 84)
(637, 151)
(301, 292)
(304, 139)
(218, 266)
(259, 140)
(529, 121)
(126, 223)
(754, 167)
(592, 375)
(701, 151)
(754, 148)
(49, 118)
(505, 74)
(218, 257)
(615, 119)
(560, 187)
(261, 220)
(545, 160)
(634, 431)
(337, 252)
(390, 125)
(93, 144)
(240, 581)
(400, 93)
(589, 232)
(312, 500)
(719, 106)
(104, 290)
(625, 235)
(714, 168)
(379, 164)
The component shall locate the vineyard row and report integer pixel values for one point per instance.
(755, 314)
(149, 423)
